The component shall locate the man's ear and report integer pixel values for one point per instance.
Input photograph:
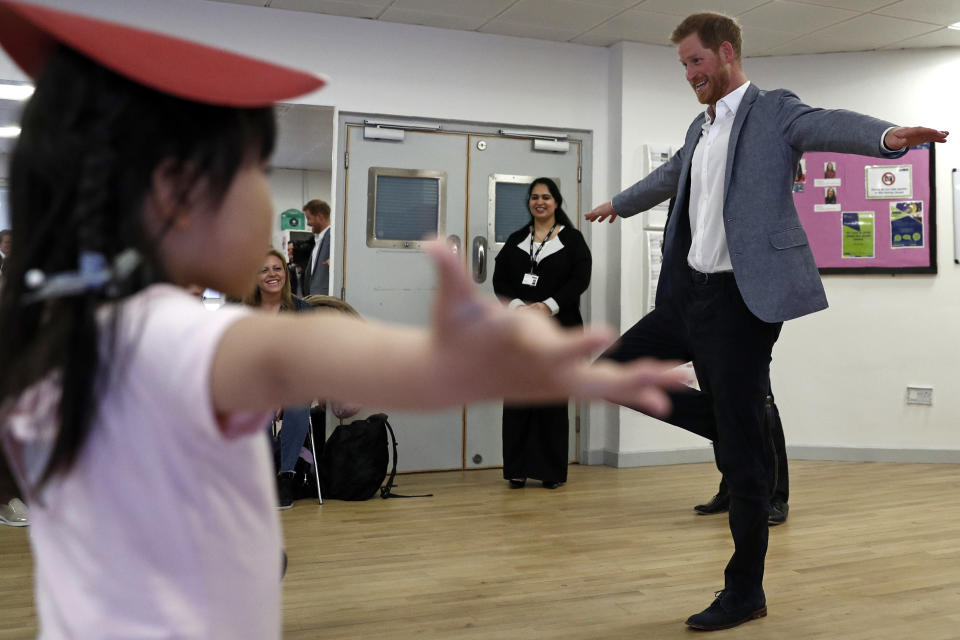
(726, 52)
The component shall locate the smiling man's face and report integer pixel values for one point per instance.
(706, 70)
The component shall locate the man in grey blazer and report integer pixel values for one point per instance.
(736, 265)
(316, 278)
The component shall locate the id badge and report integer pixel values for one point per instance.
(530, 279)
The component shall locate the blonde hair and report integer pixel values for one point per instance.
(330, 303)
(255, 298)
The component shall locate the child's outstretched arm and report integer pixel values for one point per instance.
(475, 350)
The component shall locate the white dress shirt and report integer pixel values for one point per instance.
(708, 247)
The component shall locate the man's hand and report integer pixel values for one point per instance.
(483, 350)
(902, 137)
(603, 212)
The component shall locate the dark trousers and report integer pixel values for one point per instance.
(706, 321)
(780, 484)
(536, 442)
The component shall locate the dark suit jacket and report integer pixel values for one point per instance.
(772, 261)
(294, 278)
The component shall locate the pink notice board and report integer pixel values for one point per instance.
(869, 215)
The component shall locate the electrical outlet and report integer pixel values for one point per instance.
(920, 395)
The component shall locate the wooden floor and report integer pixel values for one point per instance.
(871, 551)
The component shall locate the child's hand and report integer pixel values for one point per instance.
(485, 350)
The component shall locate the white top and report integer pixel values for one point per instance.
(708, 246)
(164, 527)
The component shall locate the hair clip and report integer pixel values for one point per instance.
(93, 274)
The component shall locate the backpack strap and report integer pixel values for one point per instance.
(385, 490)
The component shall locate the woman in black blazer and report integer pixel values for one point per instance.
(543, 267)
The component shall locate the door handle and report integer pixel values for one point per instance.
(479, 259)
(453, 241)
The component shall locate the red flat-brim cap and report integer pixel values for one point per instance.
(30, 34)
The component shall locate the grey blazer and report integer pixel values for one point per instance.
(772, 261)
(317, 281)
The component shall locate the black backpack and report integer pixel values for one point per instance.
(354, 461)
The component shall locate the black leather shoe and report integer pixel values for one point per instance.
(518, 484)
(719, 503)
(778, 512)
(285, 489)
(551, 485)
(728, 610)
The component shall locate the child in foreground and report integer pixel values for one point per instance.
(132, 418)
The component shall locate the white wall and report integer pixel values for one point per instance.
(839, 375)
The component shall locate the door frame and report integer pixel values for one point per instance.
(513, 130)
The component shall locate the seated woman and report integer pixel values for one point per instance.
(272, 294)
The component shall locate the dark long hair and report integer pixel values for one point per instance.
(81, 170)
(560, 216)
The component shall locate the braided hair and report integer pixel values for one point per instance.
(82, 168)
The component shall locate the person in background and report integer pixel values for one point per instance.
(131, 417)
(543, 267)
(699, 417)
(294, 273)
(13, 513)
(272, 295)
(299, 257)
(6, 244)
(734, 271)
(316, 279)
(778, 468)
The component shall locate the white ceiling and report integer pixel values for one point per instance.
(304, 135)
(771, 27)
(9, 115)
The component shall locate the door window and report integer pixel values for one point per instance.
(508, 202)
(404, 206)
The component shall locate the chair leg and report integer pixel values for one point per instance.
(316, 463)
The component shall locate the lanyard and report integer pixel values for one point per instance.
(534, 256)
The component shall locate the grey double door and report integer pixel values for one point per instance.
(399, 185)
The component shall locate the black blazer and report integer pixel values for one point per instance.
(563, 275)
